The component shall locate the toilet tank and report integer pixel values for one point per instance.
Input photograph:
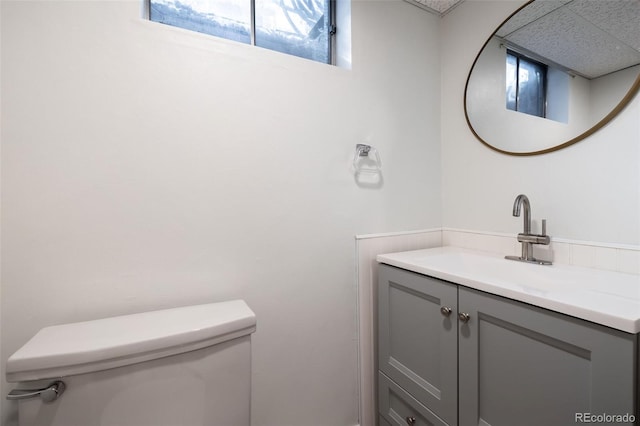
(188, 366)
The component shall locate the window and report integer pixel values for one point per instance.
(302, 28)
(526, 84)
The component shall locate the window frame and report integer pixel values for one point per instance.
(331, 39)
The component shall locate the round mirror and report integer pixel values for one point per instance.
(554, 73)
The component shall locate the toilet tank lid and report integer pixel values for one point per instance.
(89, 346)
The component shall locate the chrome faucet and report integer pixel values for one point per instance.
(526, 237)
(522, 200)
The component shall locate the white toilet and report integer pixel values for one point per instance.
(188, 366)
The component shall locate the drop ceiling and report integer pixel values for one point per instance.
(439, 7)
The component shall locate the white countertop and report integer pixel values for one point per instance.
(603, 297)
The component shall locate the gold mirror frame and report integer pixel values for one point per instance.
(600, 124)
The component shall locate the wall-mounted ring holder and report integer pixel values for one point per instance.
(366, 159)
(367, 167)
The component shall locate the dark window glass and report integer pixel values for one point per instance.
(526, 85)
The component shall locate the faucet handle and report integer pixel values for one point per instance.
(544, 226)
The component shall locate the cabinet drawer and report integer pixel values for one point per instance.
(398, 408)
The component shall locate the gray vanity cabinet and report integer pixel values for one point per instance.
(509, 364)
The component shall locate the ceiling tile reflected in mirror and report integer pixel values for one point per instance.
(588, 38)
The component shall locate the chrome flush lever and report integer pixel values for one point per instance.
(48, 394)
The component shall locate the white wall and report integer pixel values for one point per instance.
(589, 191)
(609, 89)
(146, 167)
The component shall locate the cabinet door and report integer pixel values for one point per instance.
(417, 344)
(526, 366)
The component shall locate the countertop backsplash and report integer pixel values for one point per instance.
(610, 257)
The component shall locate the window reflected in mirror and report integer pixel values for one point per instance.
(526, 85)
(535, 88)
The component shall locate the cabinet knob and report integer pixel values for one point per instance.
(446, 311)
(411, 420)
(464, 317)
